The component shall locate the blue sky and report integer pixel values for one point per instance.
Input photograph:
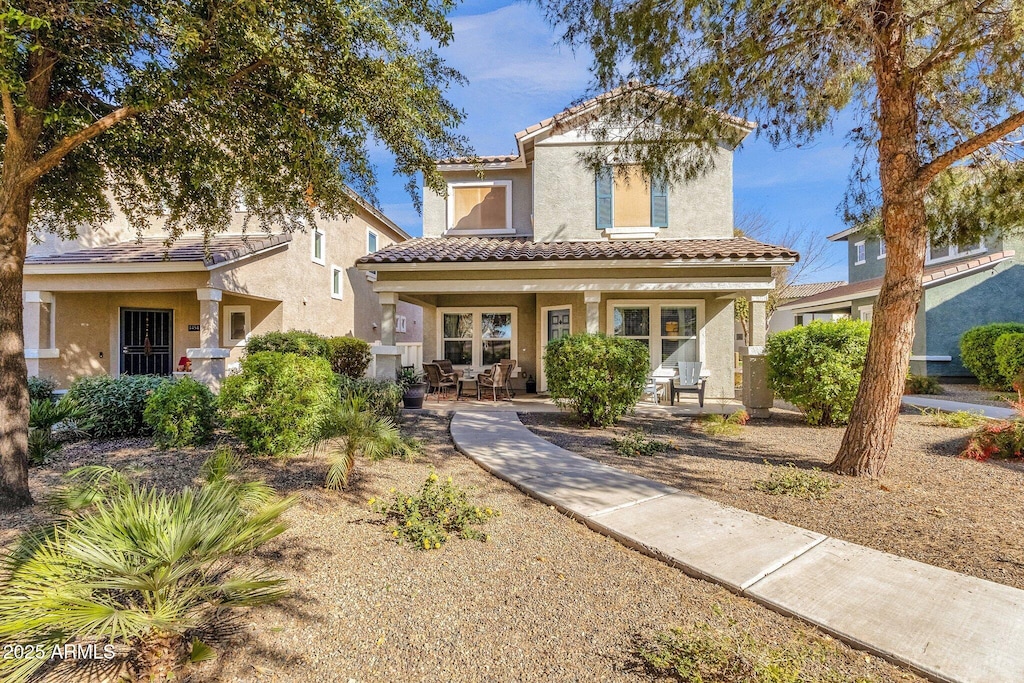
(519, 74)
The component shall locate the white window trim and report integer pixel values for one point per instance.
(323, 247)
(954, 252)
(882, 250)
(656, 305)
(619, 233)
(869, 310)
(339, 295)
(857, 247)
(401, 323)
(477, 333)
(226, 311)
(507, 230)
(371, 275)
(240, 206)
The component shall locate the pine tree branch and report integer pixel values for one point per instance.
(940, 163)
(945, 49)
(10, 115)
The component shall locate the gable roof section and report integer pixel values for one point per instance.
(932, 276)
(492, 250)
(186, 253)
(562, 120)
(808, 289)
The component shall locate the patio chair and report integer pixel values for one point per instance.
(690, 381)
(657, 384)
(493, 379)
(437, 382)
(508, 366)
(446, 368)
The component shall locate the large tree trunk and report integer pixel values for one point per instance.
(15, 202)
(873, 421)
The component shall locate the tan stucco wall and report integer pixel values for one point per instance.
(435, 206)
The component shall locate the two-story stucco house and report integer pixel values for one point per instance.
(113, 302)
(964, 286)
(541, 246)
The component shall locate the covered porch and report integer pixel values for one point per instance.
(485, 300)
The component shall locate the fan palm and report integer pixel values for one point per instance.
(137, 565)
(363, 432)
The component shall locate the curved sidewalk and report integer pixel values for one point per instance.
(944, 625)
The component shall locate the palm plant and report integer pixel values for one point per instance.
(362, 432)
(137, 565)
(44, 416)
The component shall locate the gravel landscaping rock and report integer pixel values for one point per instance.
(973, 393)
(546, 599)
(930, 506)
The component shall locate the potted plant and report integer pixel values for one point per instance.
(413, 387)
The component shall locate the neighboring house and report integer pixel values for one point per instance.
(540, 246)
(784, 319)
(114, 302)
(964, 286)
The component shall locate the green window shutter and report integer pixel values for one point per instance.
(604, 184)
(659, 204)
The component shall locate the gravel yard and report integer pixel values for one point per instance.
(930, 506)
(973, 393)
(545, 600)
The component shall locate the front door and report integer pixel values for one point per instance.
(146, 341)
(557, 324)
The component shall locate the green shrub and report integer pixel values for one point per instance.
(789, 480)
(41, 388)
(1002, 439)
(181, 413)
(922, 384)
(817, 367)
(137, 566)
(348, 356)
(114, 406)
(278, 403)
(722, 425)
(638, 444)
(978, 352)
(598, 377)
(427, 517)
(383, 396)
(300, 343)
(1009, 350)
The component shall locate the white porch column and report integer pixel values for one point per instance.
(38, 330)
(593, 302)
(757, 397)
(208, 360)
(386, 355)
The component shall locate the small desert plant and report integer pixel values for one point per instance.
(41, 388)
(408, 377)
(600, 378)
(817, 367)
(361, 431)
(1003, 439)
(789, 480)
(428, 517)
(43, 417)
(705, 653)
(181, 413)
(922, 385)
(960, 419)
(115, 405)
(138, 566)
(637, 444)
(722, 425)
(279, 402)
(978, 352)
(383, 396)
(348, 356)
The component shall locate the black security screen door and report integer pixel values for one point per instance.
(145, 342)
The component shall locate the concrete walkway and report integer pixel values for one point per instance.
(944, 625)
(955, 406)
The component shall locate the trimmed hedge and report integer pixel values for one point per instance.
(115, 406)
(348, 356)
(279, 402)
(181, 413)
(817, 367)
(978, 353)
(1009, 350)
(599, 377)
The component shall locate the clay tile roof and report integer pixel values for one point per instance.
(483, 249)
(931, 274)
(808, 289)
(218, 249)
(492, 159)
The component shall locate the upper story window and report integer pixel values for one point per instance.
(861, 251)
(371, 241)
(881, 249)
(627, 199)
(945, 250)
(319, 243)
(480, 207)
